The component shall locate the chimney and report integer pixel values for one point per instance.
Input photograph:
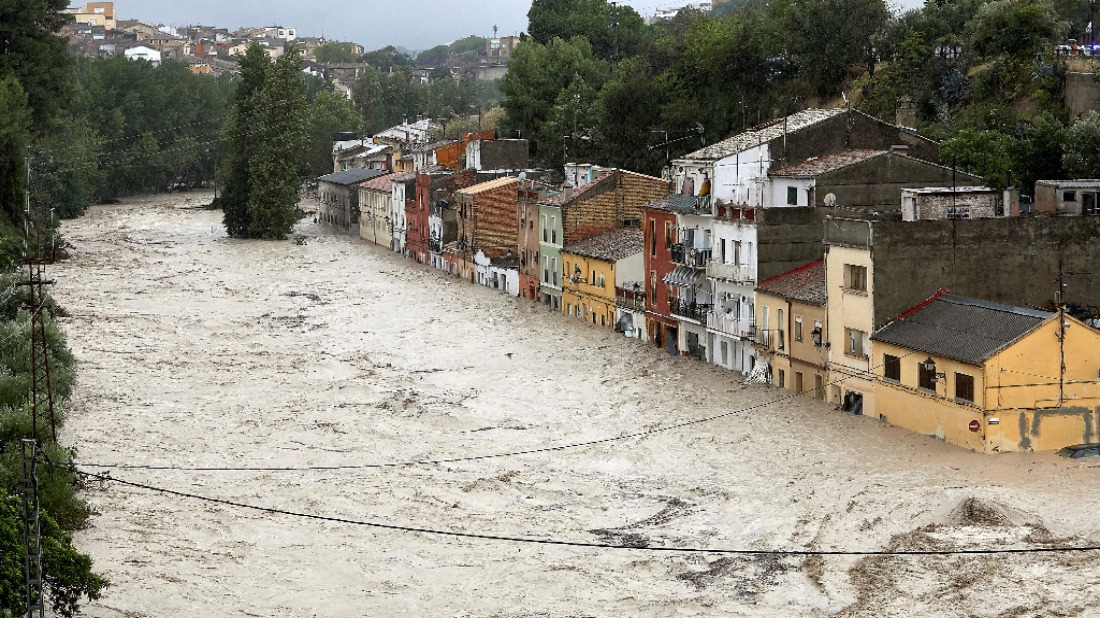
(902, 150)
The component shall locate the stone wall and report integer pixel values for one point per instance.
(1009, 260)
(877, 183)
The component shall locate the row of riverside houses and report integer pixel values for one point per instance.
(814, 253)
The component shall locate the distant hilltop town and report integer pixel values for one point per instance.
(97, 32)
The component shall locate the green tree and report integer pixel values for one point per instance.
(623, 32)
(983, 153)
(1082, 149)
(1016, 28)
(827, 38)
(387, 58)
(32, 53)
(235, 175)
(335, 53)
(434, 57)
(537, 74)
(280, 161)
(14, 136)
(329, 113)
(1037, 152)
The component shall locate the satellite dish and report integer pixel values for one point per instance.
(830, 200)
(523, 175)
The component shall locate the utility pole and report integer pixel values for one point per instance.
(41, 391)
(32, 533)
(1059, 299)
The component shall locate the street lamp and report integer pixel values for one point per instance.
(929, 366)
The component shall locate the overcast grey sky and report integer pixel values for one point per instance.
(414, 24)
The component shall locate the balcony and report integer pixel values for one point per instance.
(733, 327)
(738, 273)
(435, 245)
(727, 212)
(690, 256)
(630, 298)
(690, 310)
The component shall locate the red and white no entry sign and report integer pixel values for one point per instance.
(975, 426)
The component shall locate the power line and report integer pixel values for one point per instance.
(580, 544)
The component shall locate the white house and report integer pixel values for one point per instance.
(141, 52)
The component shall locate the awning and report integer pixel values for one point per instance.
(684, 276)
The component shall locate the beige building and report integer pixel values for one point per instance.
(849, 322)
(790, 329)
(376, 210)
(95, 14)
(989, 377)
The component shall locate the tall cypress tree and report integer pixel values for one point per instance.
(268, 147)
(234, 174)
(280, 165)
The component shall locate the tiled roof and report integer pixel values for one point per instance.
(960, 328)
(436, 145)
(682, 204)
(805, 284)
(404, 177)
(352, 176)
(1070, 184)
(763, 134)
(610, 246)
(379, 183)
(489, 186)
(828, 163)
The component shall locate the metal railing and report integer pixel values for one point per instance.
(722, 323)
(630, 298)
(690, 310)
(689, 256)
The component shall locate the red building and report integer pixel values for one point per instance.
(432, 183)
(660, 233)
(530, 193)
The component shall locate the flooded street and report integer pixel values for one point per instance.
(197, 350)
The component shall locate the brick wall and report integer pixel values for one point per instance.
(490, 219)
(604, 208)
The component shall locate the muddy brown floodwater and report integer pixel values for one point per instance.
(200, 351)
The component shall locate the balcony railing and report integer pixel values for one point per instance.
(690, 256)
(736, 213)
(722, 323)
(691, 310)
(739, 273)
(630, 298)
(435, 245)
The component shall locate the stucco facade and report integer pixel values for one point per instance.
(1017, 399)
(850, 286)
(376, 211)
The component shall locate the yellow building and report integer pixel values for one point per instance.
(850, 286)
(95, 14)
(989, 377)
(594, 268)
(790, 329)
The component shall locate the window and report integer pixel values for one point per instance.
(926, 380)
(891, 367)
(1069, 196)
(780, 324)
(857, 342)
(592, 281)
(545, 232)
(855, 277)
(792, 196)
(668, 235)
(765, 333)
(569, 309)
(964, 387)
(798, 328)
(652, 238)
(958, 212)
(554, 230)
(782, 379)
(653, 288)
